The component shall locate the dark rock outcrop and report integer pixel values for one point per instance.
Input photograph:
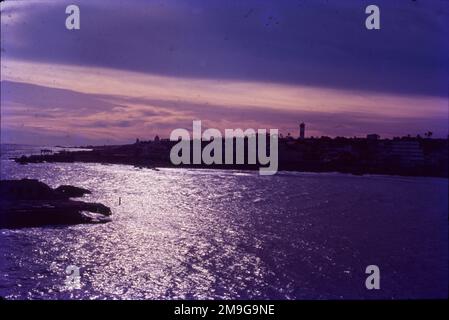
(71, 191)
(31, 203)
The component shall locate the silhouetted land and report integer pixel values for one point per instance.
(400, 156)
(31, 203)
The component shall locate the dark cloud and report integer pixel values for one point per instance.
(51, 102)
(316, 43)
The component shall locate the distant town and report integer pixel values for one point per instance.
(408, 156)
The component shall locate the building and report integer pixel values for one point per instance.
(407, 153)
(372, 136)
(302, 130)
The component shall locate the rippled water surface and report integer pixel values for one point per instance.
(227, 234)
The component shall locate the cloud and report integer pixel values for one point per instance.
(54, 102)
(308, 43)
(37, 110)
(139, 68)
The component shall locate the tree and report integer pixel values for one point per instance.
(428, 134)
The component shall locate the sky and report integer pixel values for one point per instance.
(136, 69)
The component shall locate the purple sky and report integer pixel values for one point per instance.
(140, 68)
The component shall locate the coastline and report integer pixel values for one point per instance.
(105, 155)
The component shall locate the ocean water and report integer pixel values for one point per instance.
(220, 234)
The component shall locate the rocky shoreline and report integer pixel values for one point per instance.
(312, 155)
(31, 203)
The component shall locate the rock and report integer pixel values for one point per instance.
(71, 191)
(22, 160)
(31, 203)
(26, 189)
(92, 207)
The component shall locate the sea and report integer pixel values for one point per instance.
(225, 234)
